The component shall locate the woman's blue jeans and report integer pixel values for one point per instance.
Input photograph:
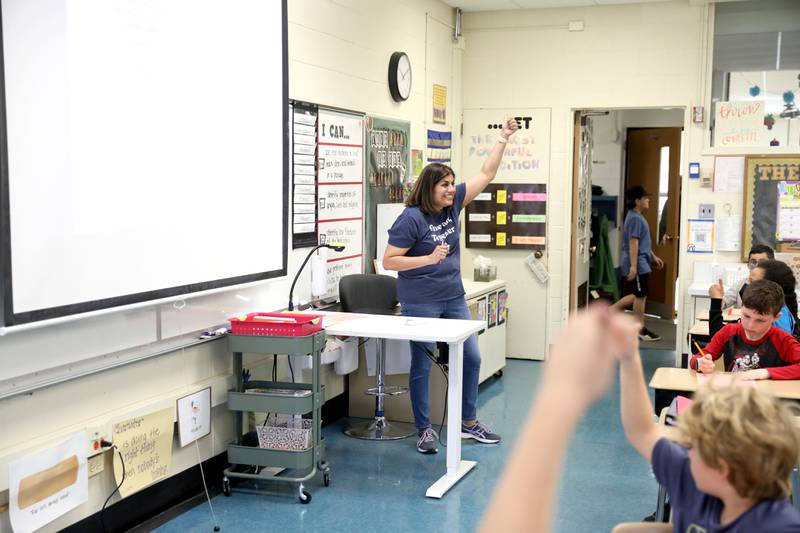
(421, 363)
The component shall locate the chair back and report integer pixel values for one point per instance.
(642, 527)
(374, 294)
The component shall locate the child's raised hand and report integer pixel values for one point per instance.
(706, 364)
(583, 358)
(717, 290)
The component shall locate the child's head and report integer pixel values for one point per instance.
(779, 272)
(759, 252)
(741, 438)
(761, 304)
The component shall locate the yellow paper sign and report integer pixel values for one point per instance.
(501, 218)
(501, 239)
(146, 445)
(501, 196)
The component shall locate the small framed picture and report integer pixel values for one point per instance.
(502, 307)
(482, 308)
(492, 309)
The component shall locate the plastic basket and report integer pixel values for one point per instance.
(279, 435)
(276, 324)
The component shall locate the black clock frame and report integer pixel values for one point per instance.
(394, 89)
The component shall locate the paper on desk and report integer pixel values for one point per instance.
(723, 380)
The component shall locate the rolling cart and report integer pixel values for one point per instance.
(277, 397)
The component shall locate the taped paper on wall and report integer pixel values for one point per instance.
(48, 484)
(146, 445)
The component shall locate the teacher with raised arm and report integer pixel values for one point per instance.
(424, 249)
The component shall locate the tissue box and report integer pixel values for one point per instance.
(285, 433)
(487, 273)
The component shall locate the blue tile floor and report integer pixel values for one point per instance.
(380, 486)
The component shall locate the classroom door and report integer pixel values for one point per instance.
(653, 161)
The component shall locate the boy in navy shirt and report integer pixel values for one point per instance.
(636, 258)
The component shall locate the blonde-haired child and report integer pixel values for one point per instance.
(732, 471)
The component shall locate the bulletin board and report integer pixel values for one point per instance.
(772, 191)
(508, 216)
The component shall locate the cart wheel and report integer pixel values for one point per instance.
(326, 478)
(498, 374)
(226, 486)
(305, 496)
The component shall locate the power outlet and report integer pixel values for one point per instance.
(706, 211)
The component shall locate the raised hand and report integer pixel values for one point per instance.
(717, 290)
(510, 127)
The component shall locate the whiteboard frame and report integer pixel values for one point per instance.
(7, 315)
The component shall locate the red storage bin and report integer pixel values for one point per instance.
(276, 324)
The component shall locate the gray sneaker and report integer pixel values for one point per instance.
(480, 432)
(426, 441)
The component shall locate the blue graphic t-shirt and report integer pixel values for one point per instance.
(421, 234)
(635, 227)
(694, 511)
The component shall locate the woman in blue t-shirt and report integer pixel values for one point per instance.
(424, 249)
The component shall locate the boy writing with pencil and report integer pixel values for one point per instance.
(754, 346)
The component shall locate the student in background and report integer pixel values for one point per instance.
(754, 346)
(424, 248)
(732, 472)
(732, 296)
(579, 370)
(769, 269)
(637, 258)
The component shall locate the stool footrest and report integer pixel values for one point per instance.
(386, 391)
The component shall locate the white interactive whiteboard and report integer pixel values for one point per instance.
(143, 151)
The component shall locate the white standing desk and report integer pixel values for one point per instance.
(454, 333)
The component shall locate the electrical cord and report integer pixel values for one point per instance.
(205, 486)
(116, 489)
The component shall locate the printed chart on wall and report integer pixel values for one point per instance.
(512, 216)
(388, 172)
(512, 212)
(304, 174)
(341, 192)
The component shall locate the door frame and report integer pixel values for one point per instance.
(575, 114)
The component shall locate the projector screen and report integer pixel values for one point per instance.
(143, 150)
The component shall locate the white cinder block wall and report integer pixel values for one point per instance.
(628, 56)
(338, 56)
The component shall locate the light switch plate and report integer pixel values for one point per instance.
(706, 211)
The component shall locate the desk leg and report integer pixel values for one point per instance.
(456, 468)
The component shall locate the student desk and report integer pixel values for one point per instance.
(453, 332)
(685, 380)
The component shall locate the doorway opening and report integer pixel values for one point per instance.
(613, 151)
